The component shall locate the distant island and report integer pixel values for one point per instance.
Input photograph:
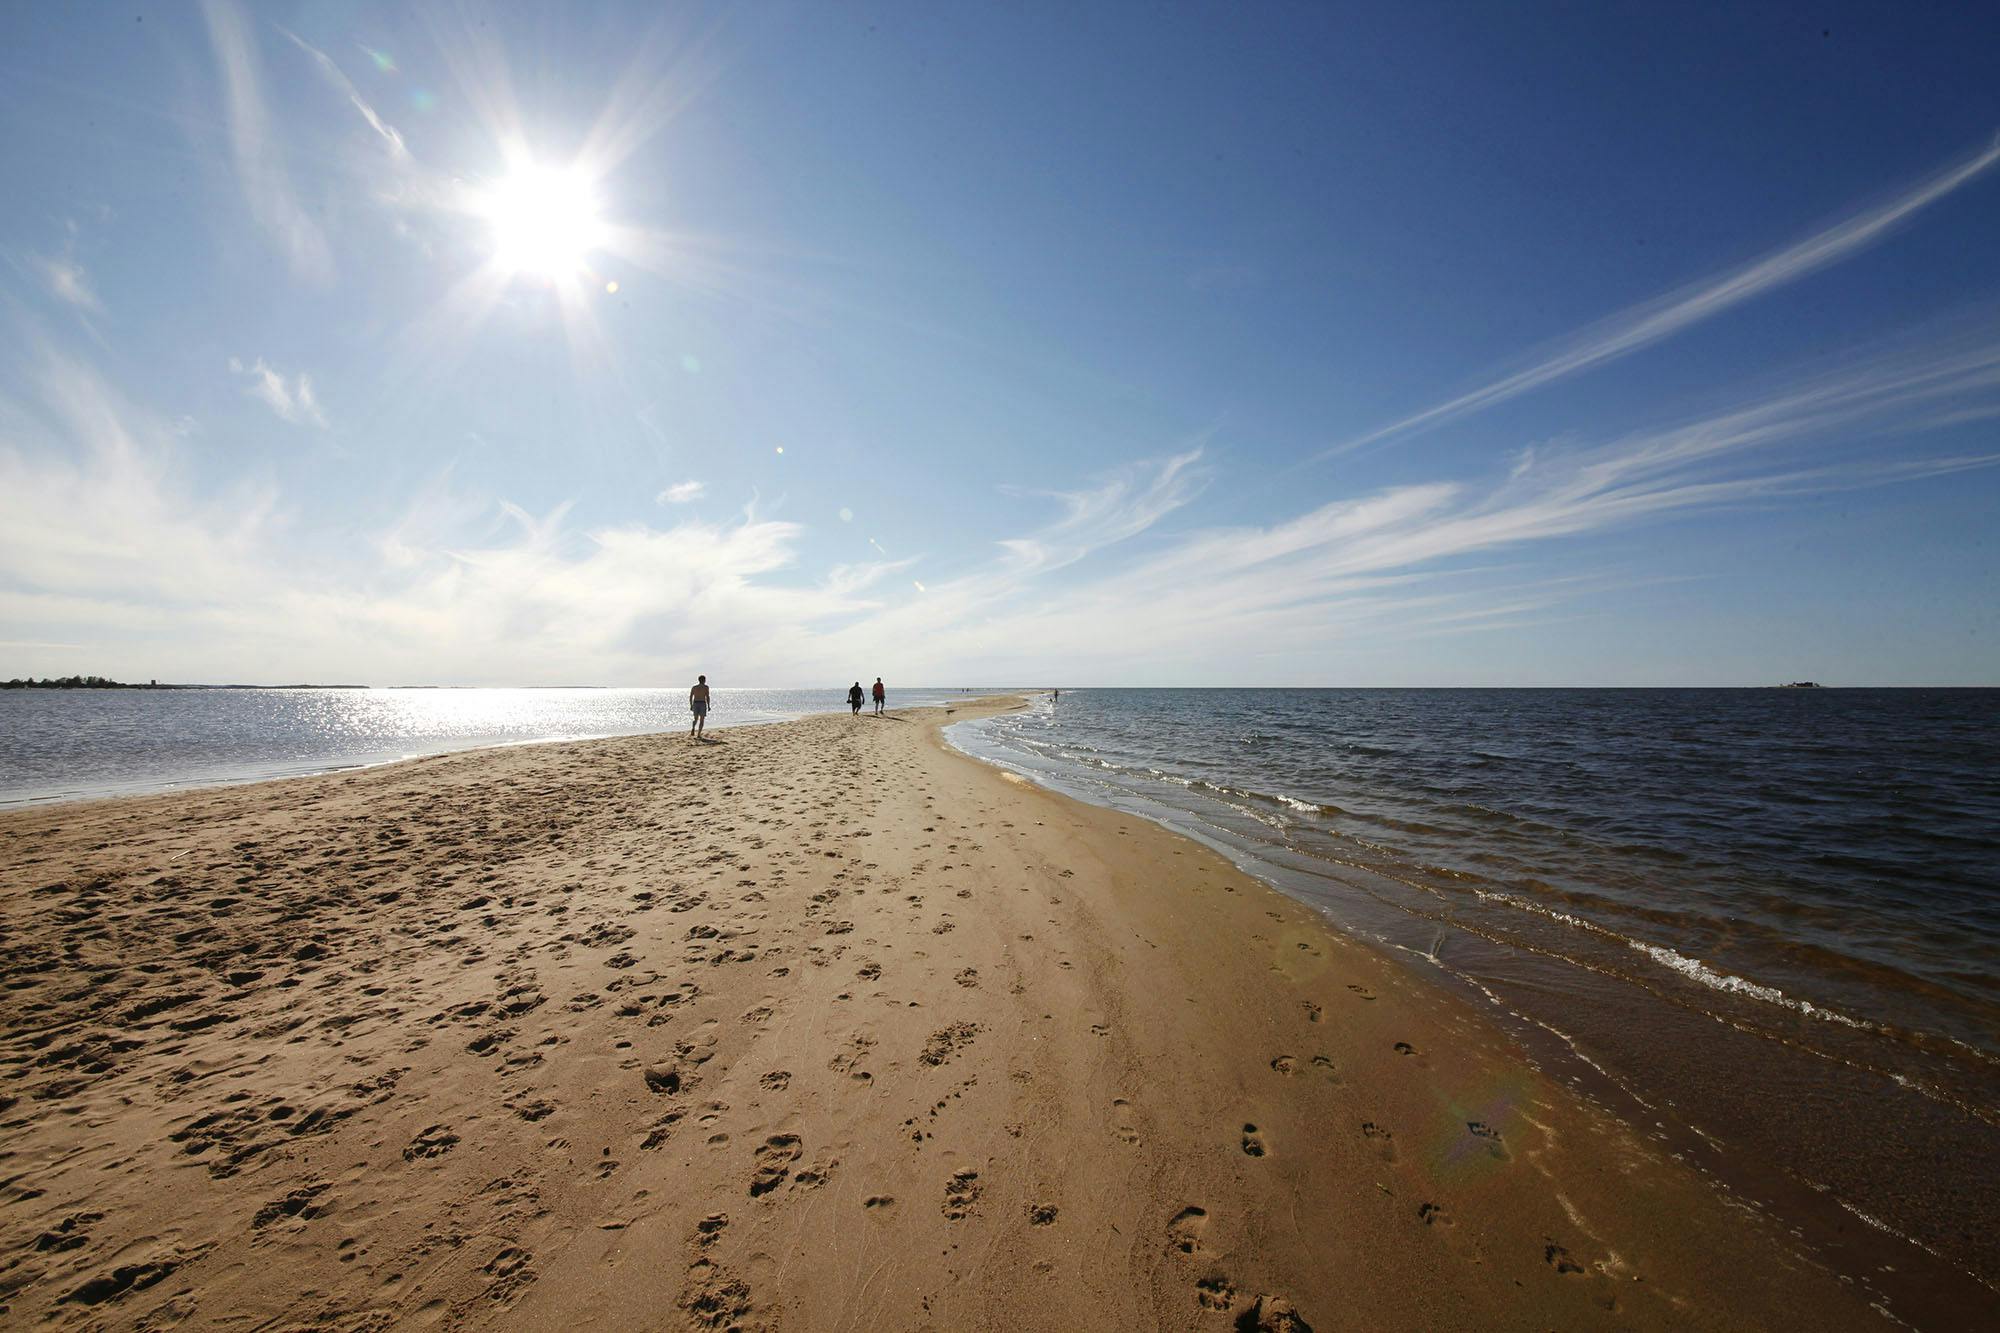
(1802, 685)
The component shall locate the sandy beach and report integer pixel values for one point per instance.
(818, 1025)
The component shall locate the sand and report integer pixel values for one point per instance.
(816, 1026)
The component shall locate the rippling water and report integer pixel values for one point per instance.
(1770, 916)
(65, 744)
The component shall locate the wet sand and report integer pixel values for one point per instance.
(818, 1025)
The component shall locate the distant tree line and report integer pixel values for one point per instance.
(69, 683)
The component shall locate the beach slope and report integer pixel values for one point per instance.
(816, 1025)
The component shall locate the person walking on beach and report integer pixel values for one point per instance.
(698, 705)
(880, 695)
(854, 698)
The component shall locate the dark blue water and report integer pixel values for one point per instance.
(1767, 920)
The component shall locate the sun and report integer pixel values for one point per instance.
(544, 220)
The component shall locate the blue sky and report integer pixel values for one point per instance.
(1121, 344)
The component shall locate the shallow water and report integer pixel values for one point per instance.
(68, 744)
(1769, 919)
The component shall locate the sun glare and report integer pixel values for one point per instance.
(544, 220)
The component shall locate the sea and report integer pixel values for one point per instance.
(1760, 926)
(58, 745)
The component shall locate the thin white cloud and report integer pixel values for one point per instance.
(258, 158)
(1648, 323)
(680, 493)
(1385, 567)
(105, 540)
(345, 86)
(847, 580)
(62, 275)
(1123, 506)
(293, 399)
(99, 530)
(68, 283)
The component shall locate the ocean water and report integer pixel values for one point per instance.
(1762, 924)
(70, 744)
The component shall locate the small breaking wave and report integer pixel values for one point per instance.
(1696, 970)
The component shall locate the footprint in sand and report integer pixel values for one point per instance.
(1253, 1141)
(1272, 1314)
(506, 1263)
(1042, 1215)
(1185, 1231)
(1215, 1293)
(1556, 1257)
(1433, 1215)
(1404, 1048)
(1384, 1141)
(961, 1194)
(777, 1080)
(1285, 1064)
(661, 1130)
(1481, 1130)
(1121, 1121)
(435, 1141)
(1312, 1011)
(303, 1203)
(774, 1162)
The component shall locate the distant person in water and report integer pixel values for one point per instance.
(698, 705)
(854, 698)
(880, 695)
(1057, 697)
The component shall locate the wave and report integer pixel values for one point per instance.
(1696, 970)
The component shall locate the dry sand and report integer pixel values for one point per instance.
(819, 1026)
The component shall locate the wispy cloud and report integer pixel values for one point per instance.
(104, 540)
(68, 283)
(389, 133)
(680, 493)
(1360, 573)
(1662, 317)
(100, 530)
(61, 275)
(258, 157)
(1123, 506)
(293, 399)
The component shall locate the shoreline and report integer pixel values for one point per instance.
(554, 1032)
(149, 787)
(1825, 1120)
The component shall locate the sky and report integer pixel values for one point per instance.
(1116, 344)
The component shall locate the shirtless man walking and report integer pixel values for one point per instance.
(698, 705)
